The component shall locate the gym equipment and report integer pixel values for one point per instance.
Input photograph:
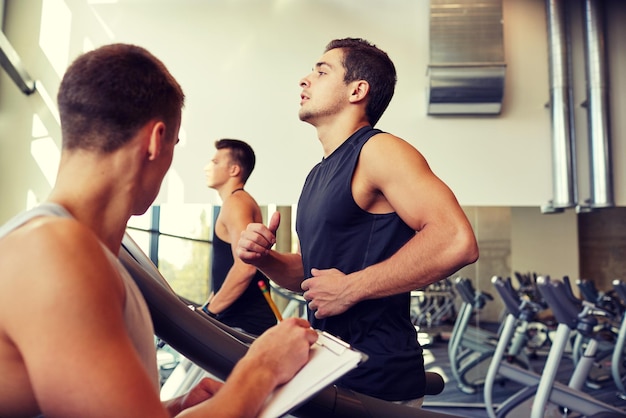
(528, 287)
(430, 308)
(433, 305)
(522, 310)
(610, 311)
(609, 301)
(618, 359)
(470, 348)
(216, 348)
(296, 305)
(542, 389)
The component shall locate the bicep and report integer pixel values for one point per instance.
(403, 176)
(237, 219)
(236, 215)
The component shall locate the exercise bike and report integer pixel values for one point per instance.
(541, 393)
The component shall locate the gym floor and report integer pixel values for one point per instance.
(453, 401)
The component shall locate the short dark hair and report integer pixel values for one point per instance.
(107, 94)
(364, 61)
(241, 153)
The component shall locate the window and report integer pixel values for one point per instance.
(177, 239)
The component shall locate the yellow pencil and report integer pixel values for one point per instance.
(269, 300)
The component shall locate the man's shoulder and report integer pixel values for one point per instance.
(385, 137)
(384, 144)
(50, 246)
(240, 205)
(54, 259)
(52, 231)
(36, 231)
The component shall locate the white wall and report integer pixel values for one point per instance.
(240, 61)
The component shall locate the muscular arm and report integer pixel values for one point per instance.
(394, 176)
(285, 269)
(254, 247)
(238, 211)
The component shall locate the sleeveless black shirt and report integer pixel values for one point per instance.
(250, 311)
(335, 232)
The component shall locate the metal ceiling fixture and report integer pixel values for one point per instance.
(467, 70)
(565, 193)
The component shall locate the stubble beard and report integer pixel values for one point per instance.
(304, 115)
(311, 116)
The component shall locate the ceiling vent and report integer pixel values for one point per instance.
(467, 70)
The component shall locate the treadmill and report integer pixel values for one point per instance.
(216, 347)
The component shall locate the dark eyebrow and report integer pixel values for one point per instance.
(323, 64)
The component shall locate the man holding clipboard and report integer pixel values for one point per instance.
(330, 358)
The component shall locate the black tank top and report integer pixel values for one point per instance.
(335, 232)
(250, 311)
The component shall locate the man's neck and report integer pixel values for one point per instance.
(331, 137)
(228, 189)
(107, 223)
(89, 194)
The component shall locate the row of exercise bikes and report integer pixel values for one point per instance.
(545, 329)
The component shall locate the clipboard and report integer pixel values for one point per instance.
(330, 358)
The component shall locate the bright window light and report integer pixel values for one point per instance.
(54, 35)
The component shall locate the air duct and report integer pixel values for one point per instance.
(600, 167)
(466, 71)
(563, 161)
(597, 104)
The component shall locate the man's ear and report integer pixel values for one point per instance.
(360, 89)
(234, 170)
(156, 132)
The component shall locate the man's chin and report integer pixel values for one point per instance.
(304, 117)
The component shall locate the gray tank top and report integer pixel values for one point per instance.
(136, 314)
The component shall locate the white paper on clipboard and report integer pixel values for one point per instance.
(330, 359)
